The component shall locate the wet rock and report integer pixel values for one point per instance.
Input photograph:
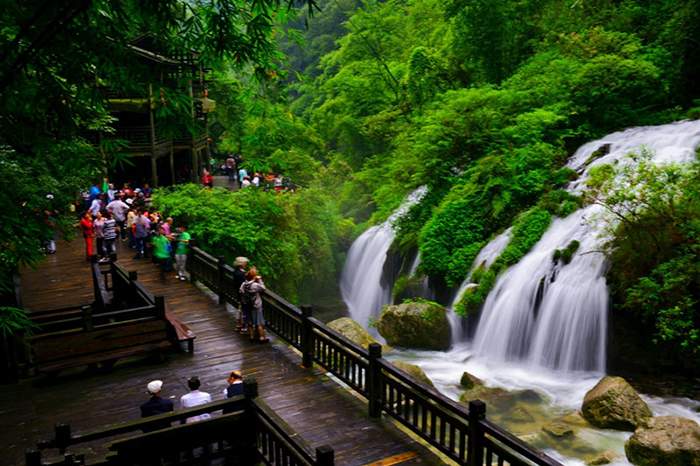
(531, 438)
(518, 415)
(607, 457)
(666, 440)
(354, 331)
(575, 418)
(496, 398)
(468, 381)
(529, 396)
(558, 429)
(414, 371)
(416, 325)
(614, 404)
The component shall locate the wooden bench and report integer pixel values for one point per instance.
(53, 352)
(179, 331)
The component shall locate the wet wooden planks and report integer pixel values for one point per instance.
(322, 411)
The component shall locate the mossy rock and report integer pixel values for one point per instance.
(665, 440)
(354, 331)
(469, 381)
(414, 371)
(499, 399)
(416, 325)
(614, 404)
(558, 429)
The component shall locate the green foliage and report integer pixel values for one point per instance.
(652, 230)
(567, 253)
(14, 322)
(293, 239)
(527, 230)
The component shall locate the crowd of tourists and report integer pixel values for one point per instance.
(158, 404)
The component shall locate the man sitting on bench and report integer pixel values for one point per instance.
(156, 405)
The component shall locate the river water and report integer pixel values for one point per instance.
(543, 325)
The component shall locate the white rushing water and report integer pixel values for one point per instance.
(361, 283)
(553, 316)
(557, 349)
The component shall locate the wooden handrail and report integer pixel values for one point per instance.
(375, 373)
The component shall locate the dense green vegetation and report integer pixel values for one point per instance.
(481, 102)
(653, 245)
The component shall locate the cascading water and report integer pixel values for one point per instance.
(362, 284)
(552, 315)
(531, 350)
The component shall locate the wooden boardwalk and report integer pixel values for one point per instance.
(319, 409)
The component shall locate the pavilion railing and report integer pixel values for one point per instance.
(461, 433)
(247, 432)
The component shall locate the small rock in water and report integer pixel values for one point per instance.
(558, 429)
(468, 381)
(607, 457)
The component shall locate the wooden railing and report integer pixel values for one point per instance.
(463, 434)
(250, 433)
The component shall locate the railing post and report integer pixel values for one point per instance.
(63, 436)
(307, 338)
(160, 307)
(325, 456)
(32, 457)
(133, 276)
(87, 318)
(373, 381)
(475, 439)
(220, 282)
(251, 436)
(190, 260)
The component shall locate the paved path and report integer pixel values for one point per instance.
(322, 411)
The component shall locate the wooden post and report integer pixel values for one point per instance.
(475, 438)
(325, 456)
(63, 436)
(87, 318)
(373, 385)
(133, 275)
(32, 457)
(190, 260)
(251, 436)
(307, 338)
(160, 307)
(222, 275)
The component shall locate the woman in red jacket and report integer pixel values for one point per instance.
(87, 227)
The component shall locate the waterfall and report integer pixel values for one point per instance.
(362, 285)
(554, 316)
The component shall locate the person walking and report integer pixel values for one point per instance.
(87, 227)
(231, 168)
(195, 398)
(182, 240)
(97, 226)
(109, 230)
(119, 210)
(142, 225)
(250, 297)
(241, 267)
(162, 252)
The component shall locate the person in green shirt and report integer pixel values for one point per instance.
(181, 242)
(162, 252)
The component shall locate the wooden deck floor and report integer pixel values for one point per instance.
(322, 411)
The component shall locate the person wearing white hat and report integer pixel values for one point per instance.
(156, 405)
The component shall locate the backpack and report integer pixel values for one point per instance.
(246, 298)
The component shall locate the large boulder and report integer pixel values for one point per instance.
(414, 371)
(354, 331)
(667, 440)
(416, 325)
(614, 404)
